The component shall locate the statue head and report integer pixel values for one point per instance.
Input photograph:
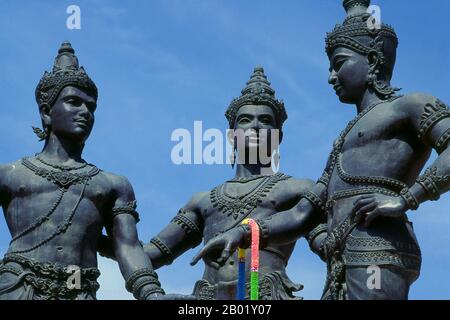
(67, 98)
(256, 110)
(362, 54)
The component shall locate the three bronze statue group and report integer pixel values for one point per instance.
(56, 204)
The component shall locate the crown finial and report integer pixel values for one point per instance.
(356, 6)
(258, 68)
(66, 58)
(66, 47)
(258, 82)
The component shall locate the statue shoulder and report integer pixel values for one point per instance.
(430, 118)
(415, 104)
(198, 202)
(7, 178)
(120, 185)
(9, 168)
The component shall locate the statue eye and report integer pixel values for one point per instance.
(73, 101)
(338, 64)
(266, 120)
(244, 120)
(92, 106)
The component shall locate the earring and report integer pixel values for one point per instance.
(233, 158)
(42, 134)
(275, 162)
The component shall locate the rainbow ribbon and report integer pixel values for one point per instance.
(254, 277)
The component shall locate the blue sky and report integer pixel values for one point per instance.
(161, 65)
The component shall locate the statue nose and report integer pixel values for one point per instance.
(332, 78)
(84, 110)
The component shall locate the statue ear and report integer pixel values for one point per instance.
(44, 111)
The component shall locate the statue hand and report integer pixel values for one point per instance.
(367, 207)
(226, 242)
(170, 296)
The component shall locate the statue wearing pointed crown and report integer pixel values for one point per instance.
(56, 204)
(373, 179)
(256, 191)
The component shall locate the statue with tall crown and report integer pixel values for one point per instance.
(372, 180)
(56, 204)
(256, 191)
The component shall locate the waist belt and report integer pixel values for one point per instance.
(345, 250)
(48, 279)
(272, 286)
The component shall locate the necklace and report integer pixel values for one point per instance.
(244, 205)
(224, 190)
(42, 219)
(60, 167)
(247, 178)
(62, 178)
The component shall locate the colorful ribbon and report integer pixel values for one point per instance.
(254, 278)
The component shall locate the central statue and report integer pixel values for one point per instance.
(255, 192)
(372, 177)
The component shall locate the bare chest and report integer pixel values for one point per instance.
(34, 199)
(380, 124)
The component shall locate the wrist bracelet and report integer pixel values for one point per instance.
(410, 199)
(429, 186)
(143, 282)
(315, 200)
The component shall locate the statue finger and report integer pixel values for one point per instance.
(364, 209)
(200, 254)
(358, 204)
(212, 263)
(370, 217)
(225, 253)
(362, 197)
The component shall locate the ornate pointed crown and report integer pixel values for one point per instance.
(66, 71)
(257, 92)
(355, 32)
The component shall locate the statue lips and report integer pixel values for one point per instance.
(82, 122)
(337, 88)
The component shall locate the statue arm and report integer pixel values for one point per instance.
(134, 264)
(185, 231)
(316, 236)
(299, 221)
(431, 118)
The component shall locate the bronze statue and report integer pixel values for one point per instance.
(252, 193)
(372, 177)
(56, 204)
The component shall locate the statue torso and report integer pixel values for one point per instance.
(381, 144)
(270, 195)
(29, 197)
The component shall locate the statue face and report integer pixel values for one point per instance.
(251, 119)
(348, 74)
(72, 115)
